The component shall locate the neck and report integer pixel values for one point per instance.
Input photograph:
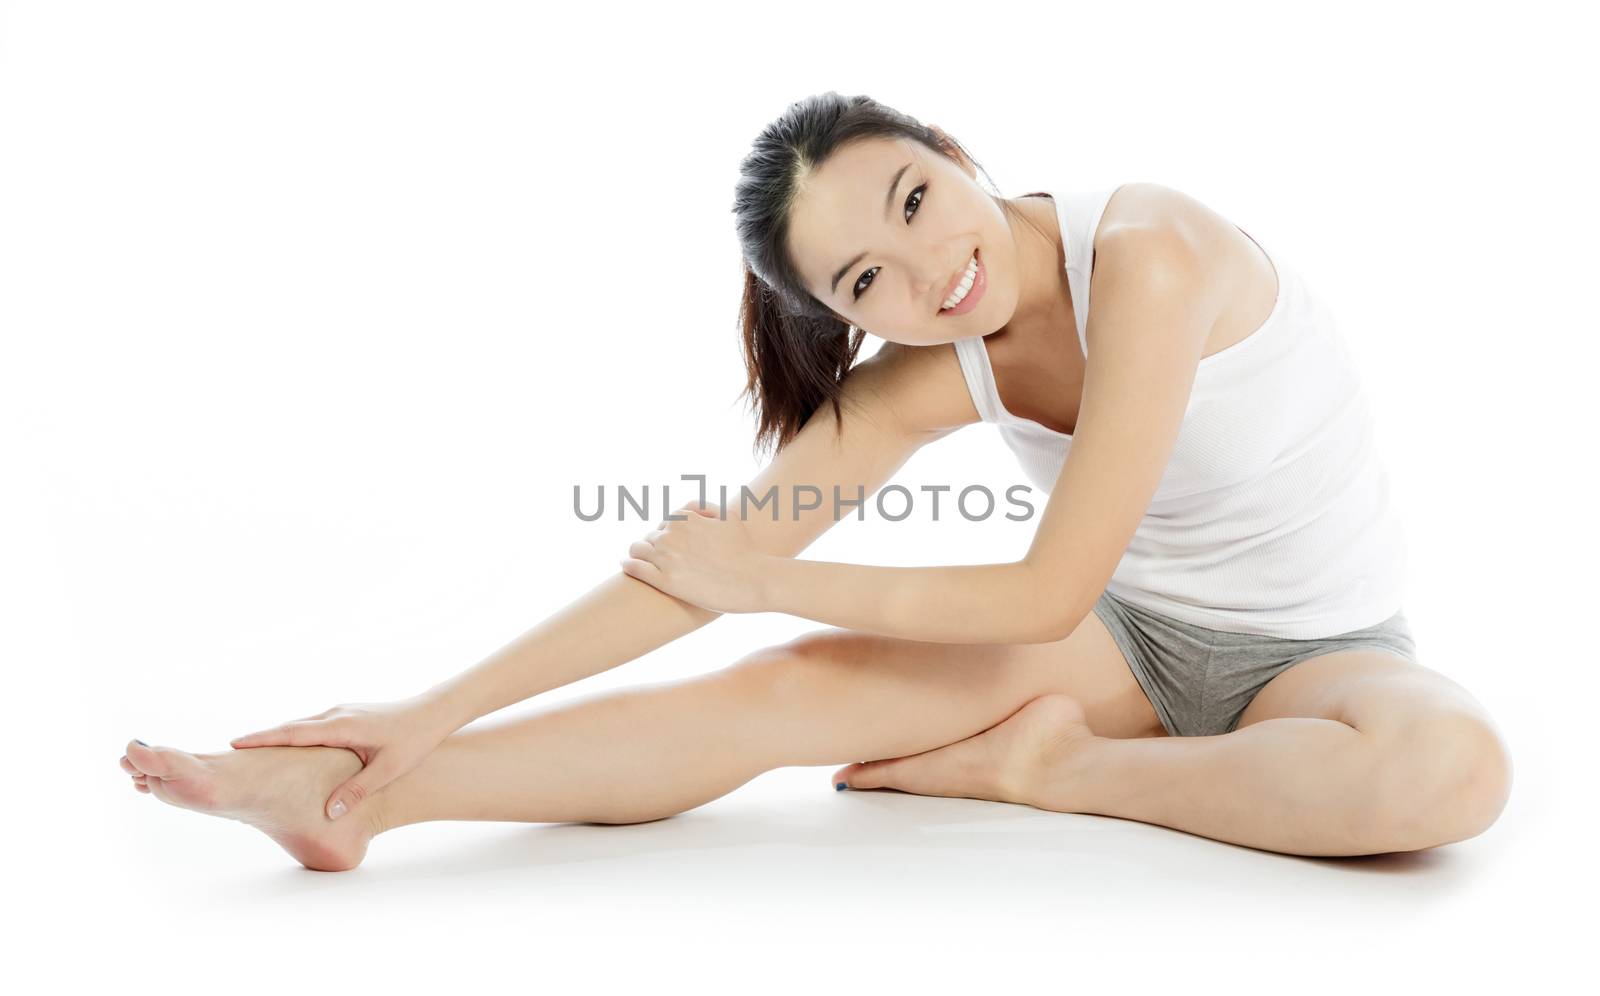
(1045, 299)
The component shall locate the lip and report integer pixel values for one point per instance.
(980, 283)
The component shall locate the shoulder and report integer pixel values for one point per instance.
(921, 387)
(1147, 207)
(1154, 238)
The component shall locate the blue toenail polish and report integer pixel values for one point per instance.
(841, 786)
(140, 742)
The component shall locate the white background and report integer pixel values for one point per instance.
(314, 313)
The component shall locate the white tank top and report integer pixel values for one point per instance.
(1274, 513)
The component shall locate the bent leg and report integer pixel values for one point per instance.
(1443, 769)
(832, 696)
(1350, 752)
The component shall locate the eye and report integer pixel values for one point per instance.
(913, 201)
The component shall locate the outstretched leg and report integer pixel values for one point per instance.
(650, 751)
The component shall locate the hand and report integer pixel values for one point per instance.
(703, 559)
(391, 738)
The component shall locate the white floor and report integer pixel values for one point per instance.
(788, 885)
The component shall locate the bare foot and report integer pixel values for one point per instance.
(1004, 763)
(278, 790)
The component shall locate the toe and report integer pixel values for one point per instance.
(964, 769)
(857, 776)
(177, 777)
(872, 774)
(162, 762)
(905, 774)
(143, 759)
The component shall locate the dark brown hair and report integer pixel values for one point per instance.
(796, 349)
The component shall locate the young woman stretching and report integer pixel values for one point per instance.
(1205, 632)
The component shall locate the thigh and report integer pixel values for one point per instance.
(1368, 688)
(843, 694)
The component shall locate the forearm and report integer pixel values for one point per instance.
(976, 603)
(616, 621)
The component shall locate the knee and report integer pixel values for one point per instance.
(1440, 780)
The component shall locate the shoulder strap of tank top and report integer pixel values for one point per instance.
(1079, 214)
(980, 378)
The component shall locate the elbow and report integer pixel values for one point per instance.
(1057, 611)
(1051, 624)
(1061, 627)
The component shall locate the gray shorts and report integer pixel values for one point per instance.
(1200, 680)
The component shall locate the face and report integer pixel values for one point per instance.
(897, 224)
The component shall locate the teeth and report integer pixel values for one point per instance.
(960, 293)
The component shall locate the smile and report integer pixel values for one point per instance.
(967, 289)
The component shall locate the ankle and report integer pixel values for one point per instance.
(377, 814)
(1063, 781)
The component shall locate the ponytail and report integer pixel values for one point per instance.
(793, 362)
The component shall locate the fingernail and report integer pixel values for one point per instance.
(337, 810)
(140, 742)
(841, 786)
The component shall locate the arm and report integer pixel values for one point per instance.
(622, 618)
(964, 603)
(1163, 293)
(1155, 301)
(614, 622)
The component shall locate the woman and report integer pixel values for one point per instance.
(1205, 633)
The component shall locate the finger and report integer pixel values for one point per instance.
(302, 733)
(278, 730)
(262, 738)
(643, 570)
(358, 787)
(641, 550)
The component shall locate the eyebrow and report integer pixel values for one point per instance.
(888, 199)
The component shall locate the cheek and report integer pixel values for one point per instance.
(894, 306)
